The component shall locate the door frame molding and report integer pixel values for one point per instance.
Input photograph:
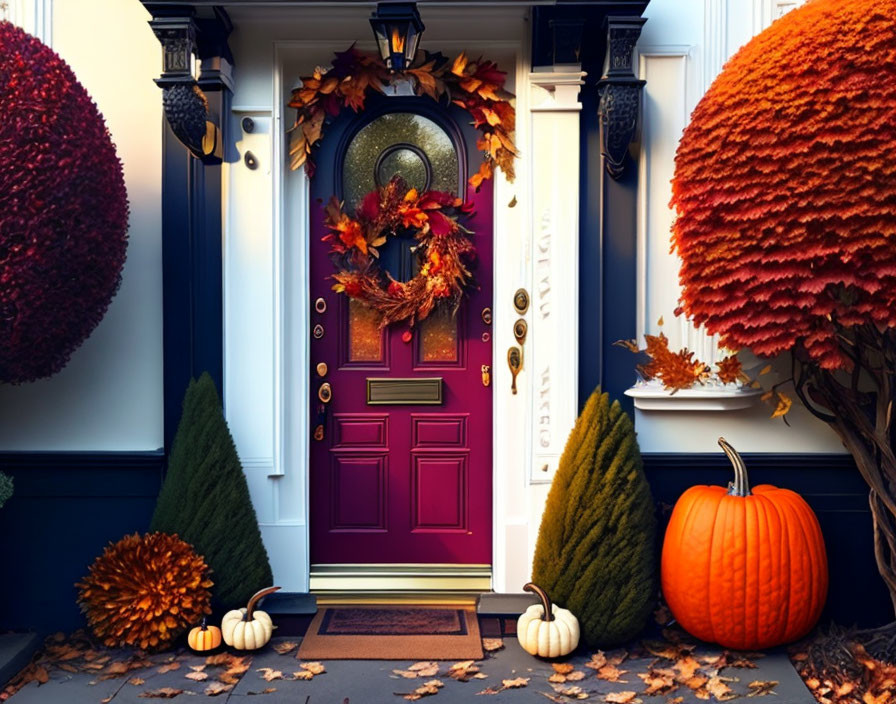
(267, 389)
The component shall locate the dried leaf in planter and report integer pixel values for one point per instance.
(626, 697)
(760, 689)
(163, 693)
(285, 647)
(315, 668)
(197, 676)
(491, 645)
(270, 674)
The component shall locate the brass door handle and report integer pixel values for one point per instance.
(515, 362)
(486, 374)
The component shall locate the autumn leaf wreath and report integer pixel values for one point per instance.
(443, 247)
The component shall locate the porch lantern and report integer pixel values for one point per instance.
(397, 28)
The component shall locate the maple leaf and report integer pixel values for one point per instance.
(270, 674)
(563, 668)
(515, 683)
(170, 667)
(597, 661)
(625, 697)
(162, 693)
(303, 675)
(216, 688)
(197, 676)
(760, 689)
(285, 647)
(315, 668)
(610, 673)
(490, 645)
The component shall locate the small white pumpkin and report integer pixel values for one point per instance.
(248, 629)
(545, 629)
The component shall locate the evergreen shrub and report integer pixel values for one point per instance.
(596, 548)
(205, 500)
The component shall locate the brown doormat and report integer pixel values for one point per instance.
(392, 633)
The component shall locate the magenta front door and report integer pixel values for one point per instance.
(405, 481)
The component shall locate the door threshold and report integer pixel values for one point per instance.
(399, 583)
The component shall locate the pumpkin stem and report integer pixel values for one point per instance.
(204, 625)
(261, 594)
(545, 600)
(741, 484)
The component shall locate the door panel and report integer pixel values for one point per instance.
(404, 482)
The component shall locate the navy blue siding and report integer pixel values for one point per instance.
(66, 508)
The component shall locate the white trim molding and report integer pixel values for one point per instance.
(553, 315)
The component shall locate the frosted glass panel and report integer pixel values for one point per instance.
(365, 338)
(403, 143)
(438, 336)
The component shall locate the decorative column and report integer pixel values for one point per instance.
(551, 350)
(196, 117)
(619, 112)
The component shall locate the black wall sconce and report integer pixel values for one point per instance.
(397, 27)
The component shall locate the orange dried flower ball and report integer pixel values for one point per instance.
(144, 591)
(784, 185)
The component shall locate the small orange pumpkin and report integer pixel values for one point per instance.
(746, 570)
(204, 637)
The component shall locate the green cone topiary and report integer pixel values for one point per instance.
(205, 500)
(596, 549)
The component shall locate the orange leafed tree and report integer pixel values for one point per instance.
(785, 192)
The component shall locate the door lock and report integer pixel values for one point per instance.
(325, 392)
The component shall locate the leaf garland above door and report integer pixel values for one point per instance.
(476, 86)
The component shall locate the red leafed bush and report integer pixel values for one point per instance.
(63, 210)
(785, 185)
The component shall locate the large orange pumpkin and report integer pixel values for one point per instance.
(746, 570)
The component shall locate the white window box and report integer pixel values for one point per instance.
(651, 396)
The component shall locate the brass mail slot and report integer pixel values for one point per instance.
(404, 392)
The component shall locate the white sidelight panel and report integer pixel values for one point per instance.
(551, 348)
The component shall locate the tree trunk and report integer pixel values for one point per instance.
(858, 406)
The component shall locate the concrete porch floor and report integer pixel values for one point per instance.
(373, 681)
